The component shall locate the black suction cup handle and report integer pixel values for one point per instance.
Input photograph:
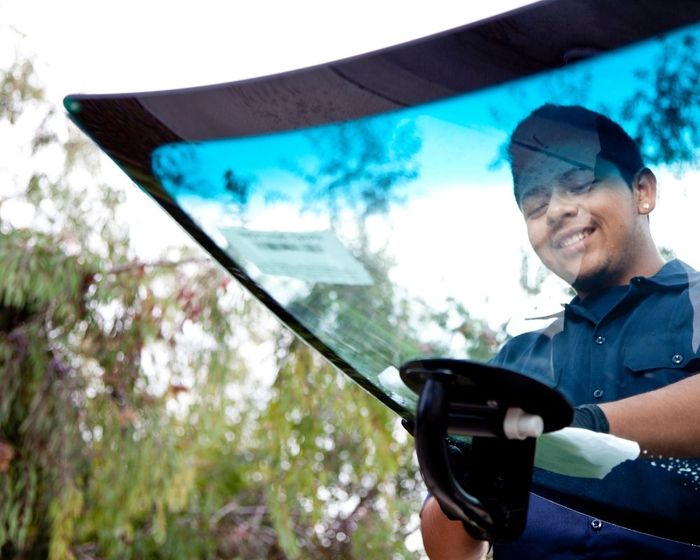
(430, 432)
(487, 487)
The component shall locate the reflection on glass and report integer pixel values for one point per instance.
(399, 236)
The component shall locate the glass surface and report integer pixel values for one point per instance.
(398, 237)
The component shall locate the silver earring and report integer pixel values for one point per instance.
(646, 206)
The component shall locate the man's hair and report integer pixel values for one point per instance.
(542, 133)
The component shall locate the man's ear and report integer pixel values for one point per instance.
(644, 190)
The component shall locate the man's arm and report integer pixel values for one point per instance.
(665, 421)
(444, 539)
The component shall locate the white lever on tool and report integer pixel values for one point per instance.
(518, 424)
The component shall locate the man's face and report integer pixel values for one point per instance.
(584, 229)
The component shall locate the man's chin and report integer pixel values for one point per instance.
(591, 282)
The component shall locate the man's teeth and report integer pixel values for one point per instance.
(573, 239)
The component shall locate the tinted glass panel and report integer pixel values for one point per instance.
(400, 236)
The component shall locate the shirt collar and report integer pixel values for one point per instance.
(674, 274)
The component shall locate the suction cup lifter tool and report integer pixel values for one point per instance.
(484, 483)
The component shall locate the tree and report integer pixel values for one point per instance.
(360, 164)
(659, 111)
(664, 107)
(131, 423)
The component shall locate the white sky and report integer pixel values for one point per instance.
(84, 46)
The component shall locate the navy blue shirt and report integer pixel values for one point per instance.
(615, 344)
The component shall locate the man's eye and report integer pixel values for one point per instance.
(534, 210)
(581, 188)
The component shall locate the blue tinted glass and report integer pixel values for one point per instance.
(398, 236)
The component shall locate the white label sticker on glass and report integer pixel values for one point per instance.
(313, 256)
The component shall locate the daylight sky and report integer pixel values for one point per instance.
(130, 45)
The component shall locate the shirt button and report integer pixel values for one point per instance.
(677, 358)
(596, 524)
(599, 339)
(598, 393)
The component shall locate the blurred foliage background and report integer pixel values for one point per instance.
(149, 408)
(135, 421)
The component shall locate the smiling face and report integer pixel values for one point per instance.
(590, 228)
(581, 184)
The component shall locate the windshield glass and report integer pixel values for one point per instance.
(543, 225)
(400, 236)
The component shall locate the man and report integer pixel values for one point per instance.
(623, 352)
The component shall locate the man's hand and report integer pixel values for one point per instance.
(445, 539)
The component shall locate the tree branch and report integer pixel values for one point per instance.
(136, 265)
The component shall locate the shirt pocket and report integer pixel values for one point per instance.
(654, 361)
